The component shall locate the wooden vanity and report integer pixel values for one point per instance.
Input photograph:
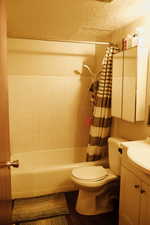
(134, 193)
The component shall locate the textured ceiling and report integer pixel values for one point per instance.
(71, 19)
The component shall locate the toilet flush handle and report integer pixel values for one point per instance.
(137, 186)
(120, 150)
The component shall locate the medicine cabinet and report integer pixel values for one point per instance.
(129, 84)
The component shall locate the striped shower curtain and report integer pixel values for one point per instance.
(101, 108)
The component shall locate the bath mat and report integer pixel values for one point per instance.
(58, 220)
(39, 207)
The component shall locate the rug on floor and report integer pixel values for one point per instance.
(58, 220)
(39, 207)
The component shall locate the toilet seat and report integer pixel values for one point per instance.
(94, 184)
(89, 173)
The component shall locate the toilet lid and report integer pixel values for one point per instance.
(90, 173)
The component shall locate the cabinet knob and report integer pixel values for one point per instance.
(136, 186)
(142, 191)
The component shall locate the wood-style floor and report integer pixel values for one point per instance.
(76, 219)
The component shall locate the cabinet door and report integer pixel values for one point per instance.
(129, 198)
(145, 205)
(116, 109)
(129, 85)
(142, 61)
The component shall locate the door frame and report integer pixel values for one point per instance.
(5, 175)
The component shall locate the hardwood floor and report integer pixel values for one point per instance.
(76, 219)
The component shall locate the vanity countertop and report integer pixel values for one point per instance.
(137, 153)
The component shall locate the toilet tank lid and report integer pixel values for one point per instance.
(116, 140)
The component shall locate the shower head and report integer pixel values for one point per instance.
(89, 69)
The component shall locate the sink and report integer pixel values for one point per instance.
(139, 153)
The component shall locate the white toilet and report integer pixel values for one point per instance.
(98, 185)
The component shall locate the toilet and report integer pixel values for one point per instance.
(98, 185)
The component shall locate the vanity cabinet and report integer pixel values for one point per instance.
(134, 199)
(129, 198)
(129, 84)
(145, 205)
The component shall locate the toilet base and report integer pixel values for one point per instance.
(93, 203)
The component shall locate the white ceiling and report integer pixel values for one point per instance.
(71, 19)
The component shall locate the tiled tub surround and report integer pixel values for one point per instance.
(48, 112)
(48, 94)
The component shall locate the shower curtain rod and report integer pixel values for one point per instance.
(72, 41)
(84, 42)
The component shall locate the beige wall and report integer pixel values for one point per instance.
(48, 101)
(100, 52)
(120, 127)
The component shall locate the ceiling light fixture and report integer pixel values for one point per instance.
(104, 0)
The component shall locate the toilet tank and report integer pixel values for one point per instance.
(114, 156)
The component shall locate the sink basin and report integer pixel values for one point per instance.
(139, 153)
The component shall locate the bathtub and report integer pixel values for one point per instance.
(45, 172)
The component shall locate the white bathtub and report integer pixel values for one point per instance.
(46, 172)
